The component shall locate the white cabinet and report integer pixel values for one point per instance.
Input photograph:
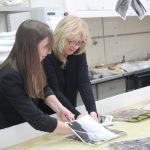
(10, 18)
(96, 8)
(6, 10)
(111, 88)
(10, 9)
(91, 8)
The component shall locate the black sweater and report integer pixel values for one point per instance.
(16, 107)
(66, 82)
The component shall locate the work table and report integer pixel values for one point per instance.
(39, 140)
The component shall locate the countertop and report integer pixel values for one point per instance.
(129, 68)
(27, 138)
(107, 78)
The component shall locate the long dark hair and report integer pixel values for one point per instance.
(25, 57)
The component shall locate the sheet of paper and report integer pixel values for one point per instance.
(122, 7)
(139, 6)
(90, 131)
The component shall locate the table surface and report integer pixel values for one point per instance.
(55, 141)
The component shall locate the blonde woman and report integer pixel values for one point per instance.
(23, 82)
(66, 67)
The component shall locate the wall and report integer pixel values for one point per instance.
(117, 38)
(112, 38)
(95, 52)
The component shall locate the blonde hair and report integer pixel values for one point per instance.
(69, 27)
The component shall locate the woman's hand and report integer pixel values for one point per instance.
(65, 115)
(94, 115)
(81, 115)
(62, 128)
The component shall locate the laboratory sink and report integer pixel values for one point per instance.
(134, 65)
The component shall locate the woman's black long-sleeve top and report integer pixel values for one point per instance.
(66, 82)
(16, 107)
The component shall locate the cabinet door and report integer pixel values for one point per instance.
(111, 88)
(79, 99)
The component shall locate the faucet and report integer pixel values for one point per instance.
(148, 56)
(123, 59)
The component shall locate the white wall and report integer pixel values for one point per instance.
(95, 52)
(118, 38)
(130, 38)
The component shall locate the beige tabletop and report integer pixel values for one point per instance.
(25, 137)
(58, 142)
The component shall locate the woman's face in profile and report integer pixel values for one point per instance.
(44, 48)
(72, 45)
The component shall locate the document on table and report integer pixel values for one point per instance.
(89, 131)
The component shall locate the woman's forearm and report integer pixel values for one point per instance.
(53, 103)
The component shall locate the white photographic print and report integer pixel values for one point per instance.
(139, 6)
(90, 131)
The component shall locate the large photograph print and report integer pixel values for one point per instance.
(139, 6)
(90, 131)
